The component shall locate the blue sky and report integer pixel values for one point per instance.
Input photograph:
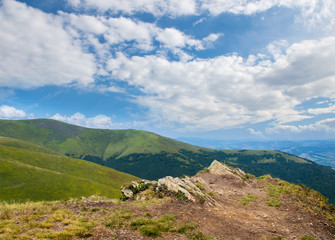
(237, 69)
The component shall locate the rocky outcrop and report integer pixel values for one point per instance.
(220, 169)
(191, 188)
(183, 187)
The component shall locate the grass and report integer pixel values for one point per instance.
(186, 228)
(142, 153)
(153, 228)
(42, 220)
(198, 236)
(76, 141)
(249, 198)
(273, 202)
(30, 175)
(200, 186)
(301, 195)
(118, 218)
(248, 177)
(308, 238)
(205, 170)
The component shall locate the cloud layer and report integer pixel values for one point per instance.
(101, 47)
(230, 91)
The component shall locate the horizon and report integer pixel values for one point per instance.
(242, 70)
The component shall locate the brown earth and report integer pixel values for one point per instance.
(230, 215)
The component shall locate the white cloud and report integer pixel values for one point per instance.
(11, 112)
(255, 133)
(317, 111)
(99, 121)
(125, 29)
(133, 35)
(305, 69)
(156, 7)
(87, 23)
(316, 13)
(230, 91)
(36, 50)
(208, 41)
(172, 37)
(313, 12)
(202, 93)
(326, 125)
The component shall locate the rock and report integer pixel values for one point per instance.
(128, 193)
(184, 185)
(220, 169)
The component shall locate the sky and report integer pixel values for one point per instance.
(216, 69)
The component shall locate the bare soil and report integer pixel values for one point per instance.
(226, 217)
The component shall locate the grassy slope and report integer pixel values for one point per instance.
(78, 141)
(26, 174)
(148, 155)
(12, 142)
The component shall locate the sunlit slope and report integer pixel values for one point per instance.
(12, 142)
(26, 174)
(78, 141)
(150, 156)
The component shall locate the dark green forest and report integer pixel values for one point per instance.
(154, 166)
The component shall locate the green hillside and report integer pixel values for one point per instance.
(32, 172)
(150, 156)
(80, 142)
(12, 142)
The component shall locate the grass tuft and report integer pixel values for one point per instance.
(249, 198)
(153, 228)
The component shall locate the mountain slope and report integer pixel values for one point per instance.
(148, 155)
(79, 141)
(36, 175)
(219, 203)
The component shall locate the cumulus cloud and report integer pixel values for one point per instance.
(53, 49)
(230, 91)
(11, 112)
(36, 50)
(87, 23)
(326, 125)
(99, 121)
(132, 35)
(172, 38)
(304, 69)
(219, 92)
(311, 12)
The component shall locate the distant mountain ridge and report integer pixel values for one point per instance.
(150, 156)
(319, 151)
